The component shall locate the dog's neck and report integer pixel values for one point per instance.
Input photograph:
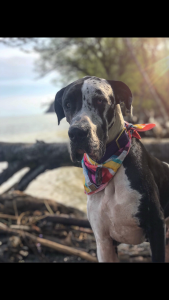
(117, 126)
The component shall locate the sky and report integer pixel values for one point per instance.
(21, 93)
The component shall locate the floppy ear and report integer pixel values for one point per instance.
(58, 105)
(122, 94)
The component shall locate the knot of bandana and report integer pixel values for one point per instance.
(98, 174)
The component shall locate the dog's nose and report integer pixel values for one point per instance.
(77, 134)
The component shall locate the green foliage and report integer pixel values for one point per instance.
(110, 58)
(107, 58)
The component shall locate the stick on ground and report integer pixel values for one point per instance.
(53, 245)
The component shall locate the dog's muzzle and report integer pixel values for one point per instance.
(79, 138)
(78, 135)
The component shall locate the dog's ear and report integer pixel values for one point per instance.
(58, 105)
(122, 94)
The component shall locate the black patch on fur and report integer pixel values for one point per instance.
(160, 172)
(73, 95)
(99, 107)
(110, 114)
(99, 92)
(122, 93)
(104, 130)
(111, 98)
(139, 170)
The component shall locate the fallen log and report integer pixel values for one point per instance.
(41, 156)
(157, 147)
(38, 157)
(36, 153)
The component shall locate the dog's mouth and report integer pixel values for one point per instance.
(94, 148)
(78, 153)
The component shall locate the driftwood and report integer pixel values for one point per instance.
(158, 148)
(54, 219)
(38, 157)
(29, 224)
(68, 221)
(38, 236)
(25, 203)
(50, 244)
(23, 216)
(43, 156)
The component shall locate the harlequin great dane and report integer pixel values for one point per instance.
(135, 203)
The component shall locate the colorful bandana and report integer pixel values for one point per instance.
(98, 174)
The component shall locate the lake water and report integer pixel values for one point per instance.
(63, 184)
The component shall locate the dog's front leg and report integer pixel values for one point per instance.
(106, 251)
(157, 241)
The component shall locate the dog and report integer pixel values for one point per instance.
(132, 208)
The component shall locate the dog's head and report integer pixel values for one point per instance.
(89, 107)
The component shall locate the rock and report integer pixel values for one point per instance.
(123, 257)
(14, 241)
(137, 259)
(24, 253)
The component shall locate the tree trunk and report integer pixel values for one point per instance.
(42, 156)
(38, 157)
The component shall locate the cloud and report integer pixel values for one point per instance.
(21, 93)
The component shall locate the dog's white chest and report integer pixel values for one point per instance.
(112, 211)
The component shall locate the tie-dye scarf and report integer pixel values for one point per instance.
(98, 174)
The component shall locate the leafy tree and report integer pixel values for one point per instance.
(108, 58)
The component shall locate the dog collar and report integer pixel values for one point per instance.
(97, 174)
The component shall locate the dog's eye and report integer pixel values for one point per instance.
(99, 101)
(68, 105)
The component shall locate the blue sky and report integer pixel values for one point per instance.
(20, 92)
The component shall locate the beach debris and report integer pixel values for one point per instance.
(59, 234)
